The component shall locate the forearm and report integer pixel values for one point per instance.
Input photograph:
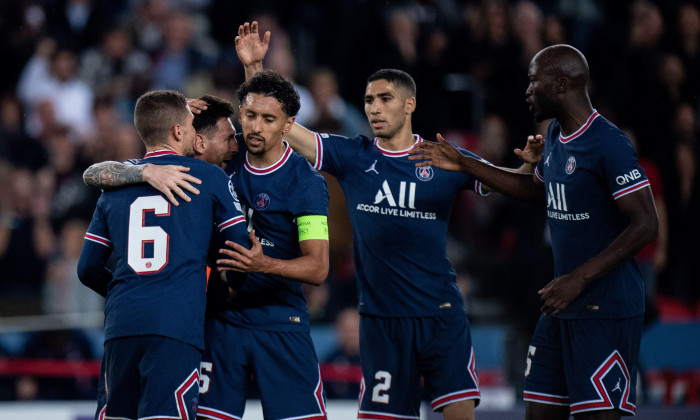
(514, 183)
(252, 69)
(625, 246)
(305, 269)
(112, 174)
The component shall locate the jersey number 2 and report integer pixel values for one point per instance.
(379, 394)
(140, 235)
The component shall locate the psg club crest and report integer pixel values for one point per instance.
(570, 165)
(262, 201)
(424, 173)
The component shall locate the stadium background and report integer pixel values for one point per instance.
(72, 70)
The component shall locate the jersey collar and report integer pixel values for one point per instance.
(581, 130)
(161, 152)
(272, 168)
(396, 153)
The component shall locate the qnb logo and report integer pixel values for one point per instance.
(633, 175)
(556, 197)
(385, 193)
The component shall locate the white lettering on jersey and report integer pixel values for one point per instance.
(557, 201)
(626, 178)
(385, 193)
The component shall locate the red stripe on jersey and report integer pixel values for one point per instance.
(157, 153)
(273, 167)
(457, 396)
(100, 240)
(589, 121)
(319, 152)
(631, 189)
(398, 153)
(231, 222)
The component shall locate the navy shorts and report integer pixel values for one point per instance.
(149, 376)
(585, 364)
(397, 352)
(284, 365)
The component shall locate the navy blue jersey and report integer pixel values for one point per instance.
(583, 175)
(158, 284)
(399, 215)
(272, 199)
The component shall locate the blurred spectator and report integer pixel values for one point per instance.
(280, 58)
(79, 23)
(110, 68)
(333, 113)
(344, 361)
(179, 60)
(68, 345)
(71, 197)
(26, 240)
(63, 292)
(52, 92)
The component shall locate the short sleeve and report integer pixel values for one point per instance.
(620, 166)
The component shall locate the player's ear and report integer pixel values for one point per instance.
(410, 105)
(288, 125)
(178, 132)
(560, 84)
(200, 144)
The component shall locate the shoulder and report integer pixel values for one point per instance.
(358, 141)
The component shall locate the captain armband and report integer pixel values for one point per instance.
(312, 227)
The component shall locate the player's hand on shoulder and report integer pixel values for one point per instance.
(534, 148)
(440, 155)
(250, 48)
(171, 180)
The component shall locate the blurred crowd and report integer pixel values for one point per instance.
(73, 70)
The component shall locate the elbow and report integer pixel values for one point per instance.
(319, 276)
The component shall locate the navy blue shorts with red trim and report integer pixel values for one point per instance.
(398, 352)
(585, 364)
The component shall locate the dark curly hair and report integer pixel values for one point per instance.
(217, 109)
(271, 83)
(397, 77)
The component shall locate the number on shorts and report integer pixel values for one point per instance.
(204, 379)
(528, 363)
(139, 235)
(384, 385)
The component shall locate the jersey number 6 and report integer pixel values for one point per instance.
(140, 235)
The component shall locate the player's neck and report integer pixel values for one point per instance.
(269, 157)
(158, 147)
(400, 141)
(574, 118)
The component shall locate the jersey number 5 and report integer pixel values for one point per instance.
(141, 235)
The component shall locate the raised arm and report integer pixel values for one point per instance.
(642, 228)
(522, 186)
(251, 50)
(167, 179)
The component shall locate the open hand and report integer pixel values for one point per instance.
(534, 148)
(171, 180)
(440, 155)
(241, 259)
(249, 47)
